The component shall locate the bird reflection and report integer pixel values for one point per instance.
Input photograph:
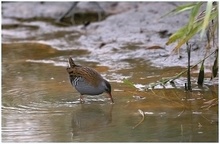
(90, 118)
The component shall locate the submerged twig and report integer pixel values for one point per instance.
(142, 114)
(210, 103)
(209, 120)
(181, 112)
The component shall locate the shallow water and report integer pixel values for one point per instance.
(40, 105)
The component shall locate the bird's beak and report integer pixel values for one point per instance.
(110, 95)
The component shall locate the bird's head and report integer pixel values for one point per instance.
(108, 89)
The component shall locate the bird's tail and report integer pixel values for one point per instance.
(71, 63)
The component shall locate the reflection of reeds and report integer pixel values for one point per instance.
(166, 97)
(181, 127)
(142, 114)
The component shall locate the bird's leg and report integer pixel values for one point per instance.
(110, 95)
(81, 99)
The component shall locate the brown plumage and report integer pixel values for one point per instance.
(87, 81)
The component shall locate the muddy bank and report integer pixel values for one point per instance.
(132, 30)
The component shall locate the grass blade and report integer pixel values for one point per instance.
(126, 81)
(177, 35)
(207, 17)
(193, 16)
(195, 30)
(180, 9)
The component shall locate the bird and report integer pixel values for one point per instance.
(87, 81)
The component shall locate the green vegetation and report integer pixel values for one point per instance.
(202, 20)
(199, 22)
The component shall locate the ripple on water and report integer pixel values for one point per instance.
(55, 63)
